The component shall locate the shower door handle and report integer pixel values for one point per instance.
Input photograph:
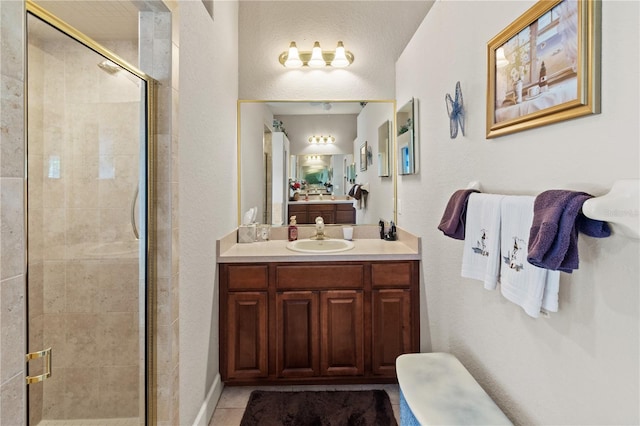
(46, 354)
(133, 213)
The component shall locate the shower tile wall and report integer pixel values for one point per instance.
(83, 266)
(12, 245)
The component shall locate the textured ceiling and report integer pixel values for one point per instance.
(396, 20)
(376, 32)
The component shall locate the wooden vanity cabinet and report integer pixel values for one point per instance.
(245, 308)
(345, 213)
(326, 211)
(300, 212)
(338, 213)
(312, 322)
(392, 309)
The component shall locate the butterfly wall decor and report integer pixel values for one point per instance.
(455, 110)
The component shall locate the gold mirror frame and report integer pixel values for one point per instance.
(393, 165)
(151, 296)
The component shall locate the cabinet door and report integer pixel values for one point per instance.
(391, 334)
(299, 211)
(345, 214)
(341, 317)
(326, 211)
(247, 335)
(297, 334)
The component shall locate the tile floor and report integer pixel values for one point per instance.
(234, 399)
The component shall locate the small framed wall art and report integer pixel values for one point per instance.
(363, 157)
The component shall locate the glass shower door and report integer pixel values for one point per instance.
(86, 166)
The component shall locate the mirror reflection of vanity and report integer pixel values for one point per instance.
(302, 158)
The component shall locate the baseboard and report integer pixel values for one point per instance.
(209, 404)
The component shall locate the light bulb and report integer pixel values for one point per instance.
(340, 59)
(316, 61)
(293, 58)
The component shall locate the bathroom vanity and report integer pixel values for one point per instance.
(289, 317)
(331, 211)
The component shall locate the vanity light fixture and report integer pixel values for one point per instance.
(322, 139)
(317, 58)
(292, 59)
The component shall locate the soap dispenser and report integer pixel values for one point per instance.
(293, 229)
(391, 236)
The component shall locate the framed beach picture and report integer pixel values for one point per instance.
(363, 157)
(544, 67)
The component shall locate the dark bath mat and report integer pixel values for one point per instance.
(321, 408)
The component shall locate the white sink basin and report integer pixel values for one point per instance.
(320, 246)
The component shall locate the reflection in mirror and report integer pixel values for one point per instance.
(298, 158)
(406, 139)
(384, 136)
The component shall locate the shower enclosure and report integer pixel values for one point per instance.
(88, 184)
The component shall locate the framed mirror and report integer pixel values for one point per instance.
(384, 139)
(406, 138)
(295, 155)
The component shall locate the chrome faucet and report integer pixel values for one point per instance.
(319, 229)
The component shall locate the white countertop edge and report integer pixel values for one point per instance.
(312, 257)
(227, 251)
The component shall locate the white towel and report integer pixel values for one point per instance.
(522, 283)
(481, 255)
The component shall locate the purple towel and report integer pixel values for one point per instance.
(454, 217)
(553, 238)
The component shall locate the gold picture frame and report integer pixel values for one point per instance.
(544, 67)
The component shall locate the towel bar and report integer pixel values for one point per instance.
(620, 207)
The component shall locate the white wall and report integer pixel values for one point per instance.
(207, 159)
(255, 116)
(580, 366)
(379, 204)
(280, 149)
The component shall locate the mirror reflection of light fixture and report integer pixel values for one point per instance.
(322, 139)
(317, 58)
(501, 60)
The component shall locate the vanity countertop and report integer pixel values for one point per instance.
(407, 247)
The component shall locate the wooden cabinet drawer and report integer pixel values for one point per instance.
(321, 207)
(345, 207)
(391, 274)
(248, 277)
(296, 208)
(313, 277)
